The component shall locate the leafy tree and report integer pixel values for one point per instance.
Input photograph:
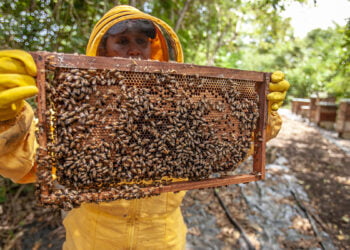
(208, 29)
(229, 33)
(51, 25)
(339, 82)
(312, 64)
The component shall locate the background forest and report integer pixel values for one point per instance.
(250, 35)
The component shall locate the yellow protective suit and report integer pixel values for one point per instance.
(149, 223)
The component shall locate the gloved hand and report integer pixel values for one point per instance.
(278, 89)
(17, 69)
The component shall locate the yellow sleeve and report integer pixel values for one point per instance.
(17, 147)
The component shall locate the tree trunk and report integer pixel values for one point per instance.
(132, 3)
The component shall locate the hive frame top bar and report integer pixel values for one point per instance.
(151, 66)
(45, 60)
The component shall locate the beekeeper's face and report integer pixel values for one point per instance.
(129, 44)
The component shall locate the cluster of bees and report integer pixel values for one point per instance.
(122, 131)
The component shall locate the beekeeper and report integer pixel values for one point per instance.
(148, 223)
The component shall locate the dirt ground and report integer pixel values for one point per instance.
(323, 169)
(320, 166)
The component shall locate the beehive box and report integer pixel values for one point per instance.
(115, 128)
(314, 100)
(343, 119)
(326, 113)
(305, 111)
(297, 104)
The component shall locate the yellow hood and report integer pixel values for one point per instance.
(165, 46)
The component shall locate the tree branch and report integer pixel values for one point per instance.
(182, 15)
(234, 222)
(218, 44)
(308, 215)
(132, 3)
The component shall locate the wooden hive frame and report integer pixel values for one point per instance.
(46, 60)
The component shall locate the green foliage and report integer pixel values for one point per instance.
(51, 25)
(340, 82)
(317, 63)
(240, 34)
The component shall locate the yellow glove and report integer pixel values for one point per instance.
(278, 89)
(17, 69)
